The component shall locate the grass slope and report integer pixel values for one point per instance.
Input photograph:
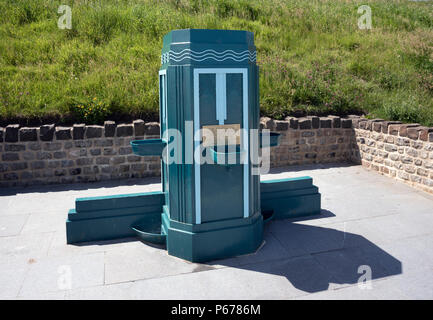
(313, 57)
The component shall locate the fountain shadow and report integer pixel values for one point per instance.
(314, 258)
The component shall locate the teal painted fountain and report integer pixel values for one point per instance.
(212, 204)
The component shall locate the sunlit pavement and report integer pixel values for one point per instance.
(373, 240)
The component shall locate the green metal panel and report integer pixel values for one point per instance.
(180, 175)
(221, 192)
(289, 198)
(285, 184)
(111, 217)
(209, 211)
(234, 98)
(106, 228)
(149, 147)
(119, 201)
(215, 243)
(207, 99)
(221, 187)
(73, 215)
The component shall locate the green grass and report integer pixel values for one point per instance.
(313, 57)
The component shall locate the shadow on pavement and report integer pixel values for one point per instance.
(318, 256)
(305, 167)
(78, 186)
(311, 258)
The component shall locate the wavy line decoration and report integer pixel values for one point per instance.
(208, 54)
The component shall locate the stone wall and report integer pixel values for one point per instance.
(50, 154)
(400, 151)
(310, 140)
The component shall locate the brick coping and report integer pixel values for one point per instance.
(413, 131)
(50, 132)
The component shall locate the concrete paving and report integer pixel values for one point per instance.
(371, 227)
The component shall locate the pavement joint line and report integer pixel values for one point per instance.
(50, 245)
(354, 219)
(349, 285)
(24, 224)
(58, 291)
(105, 267)
(279, 241)
(372, 280)
(166, 276)
(26, 273)
(424, 194)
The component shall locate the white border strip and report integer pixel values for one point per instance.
(221, 98)
(164, 93)
(197, 139)
(245, 142)
(163, 89)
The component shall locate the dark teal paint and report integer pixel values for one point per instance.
(221, 183)
(153, 233)
(149, 147)
(288, 198)
(234, 92)
(274, 140)
(111, 217)
(119, 201)
(230, 155)
(215, 243)
(222, 194)
(207, 99)
(169, 216)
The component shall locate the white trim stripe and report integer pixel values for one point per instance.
(245, 142)
(197, 186)
(221, 97)
(163, 88)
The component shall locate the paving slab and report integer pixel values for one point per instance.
(371, 227)
(277, 280)
(45, 222)
(25, 247)
(59, 247)
(137, 261)
(52, 274)
(11, 278)
(300, 239)
(11, 225)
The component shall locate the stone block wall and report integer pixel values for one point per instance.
(310, 140)
(400, 151)
(50, 154)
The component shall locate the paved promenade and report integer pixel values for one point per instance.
(370, 226)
